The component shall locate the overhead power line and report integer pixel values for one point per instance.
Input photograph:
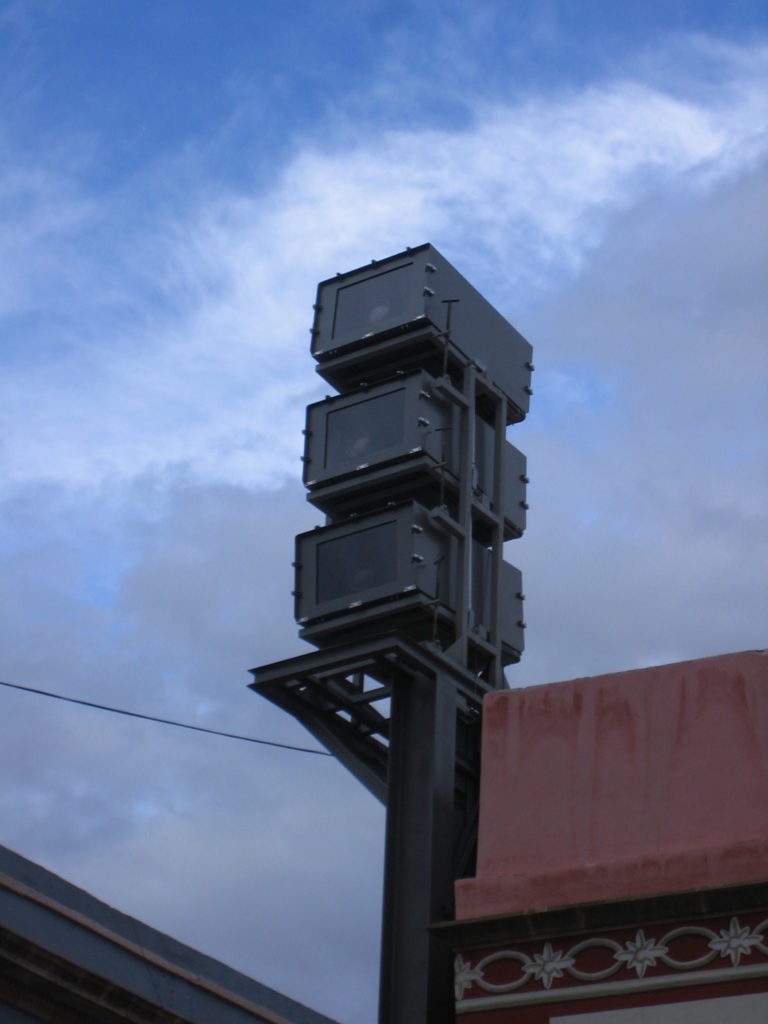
(164, 721)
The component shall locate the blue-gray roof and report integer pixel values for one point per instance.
(59, 940)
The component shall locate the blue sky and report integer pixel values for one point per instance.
(175, 178)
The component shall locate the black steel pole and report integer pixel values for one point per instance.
(415, 981)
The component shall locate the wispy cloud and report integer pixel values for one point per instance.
(205, 362)
(155, 368)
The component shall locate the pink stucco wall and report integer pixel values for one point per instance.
(623, 785)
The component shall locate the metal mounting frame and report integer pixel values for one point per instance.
(476, 389)
(404, 719)
(342, 695)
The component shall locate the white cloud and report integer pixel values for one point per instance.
(200, 372)
(152, 394)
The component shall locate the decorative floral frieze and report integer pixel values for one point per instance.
(641, 953)
(610, 959)
(737, 941)
(548, 965)
(464, 974)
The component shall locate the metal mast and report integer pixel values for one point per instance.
(405, 590)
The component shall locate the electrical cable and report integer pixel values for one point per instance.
(164, 721)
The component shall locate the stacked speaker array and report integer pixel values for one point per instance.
(411, 466)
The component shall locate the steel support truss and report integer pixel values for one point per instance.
(405, 720)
